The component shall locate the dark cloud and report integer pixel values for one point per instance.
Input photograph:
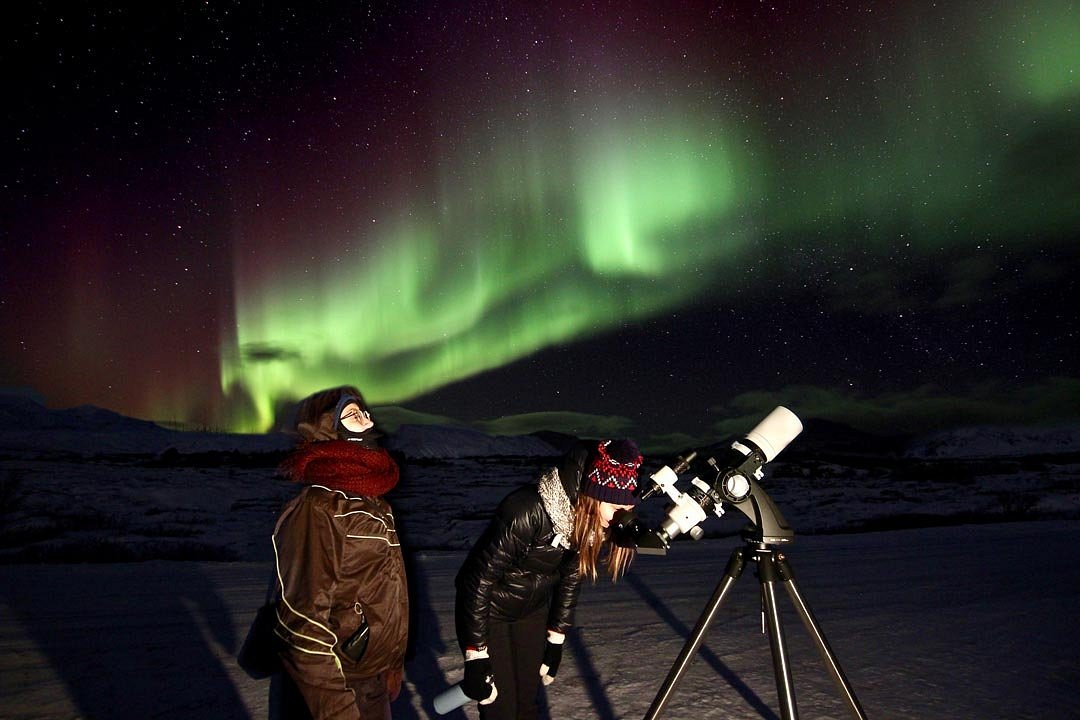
(265, 353)
(925, 409)
(572, 423)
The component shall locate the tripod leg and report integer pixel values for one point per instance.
(734, 569)
(785, 687)
(833, 665)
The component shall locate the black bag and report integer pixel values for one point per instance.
(258, 655)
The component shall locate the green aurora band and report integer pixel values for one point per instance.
(498, 275)
(559, 235)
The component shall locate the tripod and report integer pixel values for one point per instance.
(773, 567)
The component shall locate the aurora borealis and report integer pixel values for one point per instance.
(668, 217)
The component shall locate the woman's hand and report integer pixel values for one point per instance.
(479, 682)
(552, 656)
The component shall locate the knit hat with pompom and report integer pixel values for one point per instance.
(612, 477)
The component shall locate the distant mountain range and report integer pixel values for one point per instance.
(27, 425)
(992, 441)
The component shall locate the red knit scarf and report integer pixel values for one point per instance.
(343, 465)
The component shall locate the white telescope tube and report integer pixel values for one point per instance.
(773, 434)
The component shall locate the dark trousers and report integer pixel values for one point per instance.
(517, 650)
(286, 702)
(362, 699)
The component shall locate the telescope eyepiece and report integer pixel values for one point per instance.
(683, 463)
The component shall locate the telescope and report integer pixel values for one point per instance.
(728, 477)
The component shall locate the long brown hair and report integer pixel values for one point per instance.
(589, 537)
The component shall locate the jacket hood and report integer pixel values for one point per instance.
(572, 471)
(343, 465)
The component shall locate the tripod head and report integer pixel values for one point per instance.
(728, 477)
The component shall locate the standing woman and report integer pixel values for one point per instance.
(343, 609)
(518, 587)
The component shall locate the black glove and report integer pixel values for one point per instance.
(478, 682)
(550, 665)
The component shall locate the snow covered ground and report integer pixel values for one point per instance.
(959, 622)
(944, 581)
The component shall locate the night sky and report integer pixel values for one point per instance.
(668, 218)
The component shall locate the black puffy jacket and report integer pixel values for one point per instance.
(515, 569)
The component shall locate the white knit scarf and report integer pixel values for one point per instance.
(557, 505)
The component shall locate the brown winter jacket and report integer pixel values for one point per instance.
(339, 561)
